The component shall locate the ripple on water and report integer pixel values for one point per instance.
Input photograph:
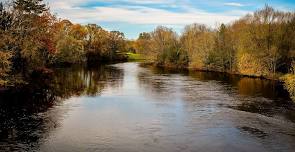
(127, 108)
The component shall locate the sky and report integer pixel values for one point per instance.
(135, 16)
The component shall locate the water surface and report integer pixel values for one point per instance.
(127, 108)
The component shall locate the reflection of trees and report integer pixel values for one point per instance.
(27, 115)
(253, 95)
(244, 85)
(156, 83)
(254, 86)
(88, 81)
(265, 97)
(22, 123)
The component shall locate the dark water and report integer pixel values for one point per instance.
(128, 108)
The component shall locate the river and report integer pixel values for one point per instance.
(128, 108)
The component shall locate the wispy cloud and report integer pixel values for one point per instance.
(234, 4)
(128, 15)
(140, 14)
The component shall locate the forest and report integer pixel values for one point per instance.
(260, 44)
(33, 39)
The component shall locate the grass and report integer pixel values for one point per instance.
(134, 56)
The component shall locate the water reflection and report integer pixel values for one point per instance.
(232, 91)
(125, 107)
(230, 106)
(77, 81)
(28, 115)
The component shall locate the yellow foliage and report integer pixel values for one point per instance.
(292, 69)
(289, 80)
(196, 62)
(5, 65)
(249, 64)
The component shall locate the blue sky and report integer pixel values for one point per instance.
(135, 16)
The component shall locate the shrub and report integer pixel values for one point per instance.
(289, 83)
(5, 65)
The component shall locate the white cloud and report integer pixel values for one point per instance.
(234, 4)
(138, 14)
(144, 1)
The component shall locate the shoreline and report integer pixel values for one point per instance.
(150, 64)
(208, 70)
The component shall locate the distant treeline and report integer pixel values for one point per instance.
(32, 38)
(258, 44)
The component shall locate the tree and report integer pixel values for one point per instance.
(96, 43)
(198, 41)
(70, 42)
(143, 45)
(5, 65)
(224, 49)
(28, 29)
(70, 50)
(36, 7)
(116, 44)
(166, 43)
(6, 19)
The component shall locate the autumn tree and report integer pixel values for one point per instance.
(143, 45)
(265, 41)
(116, 43)
(96, 43)
(224, 49)
(70, 43)
(166, 43)
(198, 41)
(29, 26)
(6, 19)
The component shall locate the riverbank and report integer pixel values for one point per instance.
(43, 74)
(287, 80)
(21, 80)
(151, 63)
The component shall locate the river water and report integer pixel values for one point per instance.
(128, 108)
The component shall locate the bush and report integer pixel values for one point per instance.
(289, 83)
(70, 50)
(5, 65)
(173, 58)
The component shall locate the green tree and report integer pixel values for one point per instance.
(35, 7)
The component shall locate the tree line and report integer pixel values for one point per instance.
(32, 38)
(258, 44)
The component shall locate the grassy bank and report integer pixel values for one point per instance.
(135, 56)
